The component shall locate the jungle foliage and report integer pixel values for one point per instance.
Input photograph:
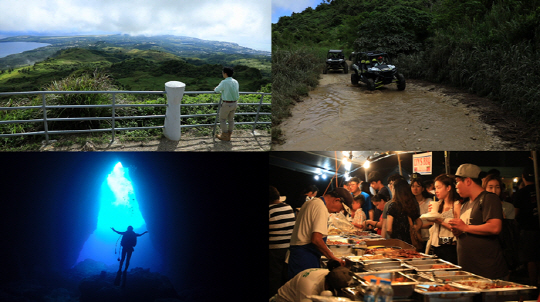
(490, 47)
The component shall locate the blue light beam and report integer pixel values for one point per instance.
(119, 209)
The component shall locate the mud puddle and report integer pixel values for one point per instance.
(340, 116)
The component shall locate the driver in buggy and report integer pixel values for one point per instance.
(379, 61)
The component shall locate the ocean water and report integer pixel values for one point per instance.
(9, 48)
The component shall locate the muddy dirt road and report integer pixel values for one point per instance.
(340, 116)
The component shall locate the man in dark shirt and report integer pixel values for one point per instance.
(527, 218)
(375, 180)
(478, 227)
(367, 206)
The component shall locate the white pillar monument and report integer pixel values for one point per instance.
(175, 92)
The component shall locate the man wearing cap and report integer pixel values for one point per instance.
(478, 227)
(315, 281)
(527, 217)
(307, 243)
(230, 94)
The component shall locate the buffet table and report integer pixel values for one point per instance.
(416, 276)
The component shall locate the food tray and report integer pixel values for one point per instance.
(368, 259)
(386, 266)
(455, 278)
(441, 274)
(462, 294)
(391, 242)
(402, 288)
(483, 285)
(316, 298)
(422, 278)
(420, 256)
(424, 265)
(341, 250)
(342, 239)
(368, 235)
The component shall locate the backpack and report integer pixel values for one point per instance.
(129, 239)
(508, 239)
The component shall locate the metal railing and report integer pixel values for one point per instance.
(113, 118)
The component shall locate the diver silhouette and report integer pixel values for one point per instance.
(129, 240)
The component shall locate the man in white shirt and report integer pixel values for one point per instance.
(314, 281)
(307, 243)
(230, 94)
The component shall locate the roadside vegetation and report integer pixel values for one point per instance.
(489, 47)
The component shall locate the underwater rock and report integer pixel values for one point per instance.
(139, 285)
(89, 267)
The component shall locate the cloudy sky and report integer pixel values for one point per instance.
(287, 7)
(245, 22)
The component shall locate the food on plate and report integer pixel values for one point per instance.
(334, 231)
(389, 252)
(361, 233)
(400, 279)
(336, 242)
(434, 266)
(488, 285)
(372, 257)
(442, 288)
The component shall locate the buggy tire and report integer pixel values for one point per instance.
(370, 84)
(345, 68)
(325, 70)
(400, 82)
(354, 78)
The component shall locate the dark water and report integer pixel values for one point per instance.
(9, 48)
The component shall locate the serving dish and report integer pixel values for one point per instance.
(402, 284)
(459, 294)
(433, 264)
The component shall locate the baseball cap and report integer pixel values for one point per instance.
(346, 198)
(528, 173)
(468, 170)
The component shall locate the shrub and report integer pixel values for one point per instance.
(96, 82)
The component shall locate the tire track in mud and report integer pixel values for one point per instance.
(340, 116)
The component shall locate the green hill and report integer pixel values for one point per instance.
(490, 47)
(131, 68)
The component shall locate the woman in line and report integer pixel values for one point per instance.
(379, 200)
(494, 184)
(423, 198)
(440, 235)
(403, 207)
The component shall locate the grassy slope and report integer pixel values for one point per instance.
(71, 60)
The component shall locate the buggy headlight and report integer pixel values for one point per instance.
(374, 69)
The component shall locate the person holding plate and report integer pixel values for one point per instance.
(441, 238)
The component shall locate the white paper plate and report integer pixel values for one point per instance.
(431, 215)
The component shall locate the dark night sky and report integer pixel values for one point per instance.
(290, 182)
(203, 210)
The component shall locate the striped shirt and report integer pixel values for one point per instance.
(281, 225)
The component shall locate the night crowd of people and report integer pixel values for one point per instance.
(469, 218)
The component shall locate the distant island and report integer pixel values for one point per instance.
(179, 45)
